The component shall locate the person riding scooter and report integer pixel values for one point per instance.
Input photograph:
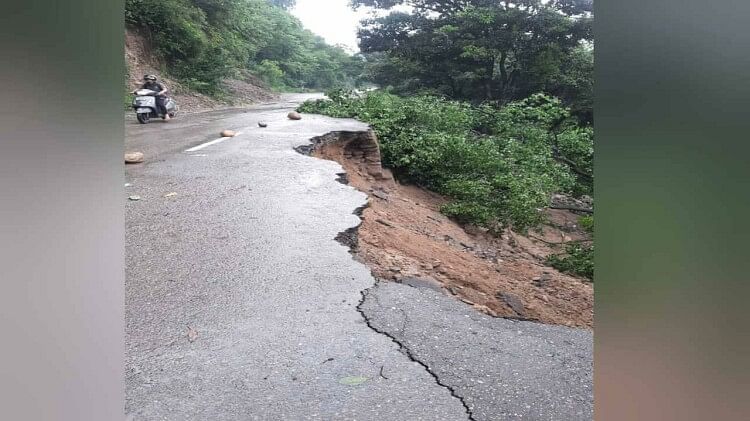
(151, 83)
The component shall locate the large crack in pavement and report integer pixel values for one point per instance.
(349, 238)
(408, 352)
(495, 367)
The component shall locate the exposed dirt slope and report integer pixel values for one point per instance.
(140, 60)
(404, 237)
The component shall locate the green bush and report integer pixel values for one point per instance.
(499, 166)
(271, 73)
(587, 223)
(181, 35)
(578, 260)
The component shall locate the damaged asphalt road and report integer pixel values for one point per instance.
(501, 369)
(241, 305)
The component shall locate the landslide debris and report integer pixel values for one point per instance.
(404, 238)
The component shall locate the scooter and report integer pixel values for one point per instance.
(145, 107)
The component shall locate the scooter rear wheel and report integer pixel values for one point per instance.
(143, 118)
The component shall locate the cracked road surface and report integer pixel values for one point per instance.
(241, 306)
(501, 369)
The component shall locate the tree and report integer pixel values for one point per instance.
(574, 83)
(481, 50)
(284, 4)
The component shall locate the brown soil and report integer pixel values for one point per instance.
(403, 236)
(245, 89)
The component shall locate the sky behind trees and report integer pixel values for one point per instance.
(334, 20)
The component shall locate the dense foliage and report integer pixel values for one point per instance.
(587, 223)
(484, 50)
(499, 166)
(501, 158)
(577, 260)
(205, 41)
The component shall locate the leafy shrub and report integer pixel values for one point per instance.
(587, 223)
(577, 260)
(499, 166)
(270, 72)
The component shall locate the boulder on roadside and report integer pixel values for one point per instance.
(228, 133)
(380, 195)
(514, 302)
(134, 157)
(295, 116)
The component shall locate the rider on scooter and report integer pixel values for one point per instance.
(150, 83)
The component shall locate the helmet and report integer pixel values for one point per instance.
(151, 78)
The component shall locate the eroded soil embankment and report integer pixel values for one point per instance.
(405, 238)
(140, 59)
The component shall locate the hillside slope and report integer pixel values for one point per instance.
(405, 238)
(206, 42)
(141, 60)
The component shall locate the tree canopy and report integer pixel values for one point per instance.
(205, 41)
(285, 4)
(484, 50)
